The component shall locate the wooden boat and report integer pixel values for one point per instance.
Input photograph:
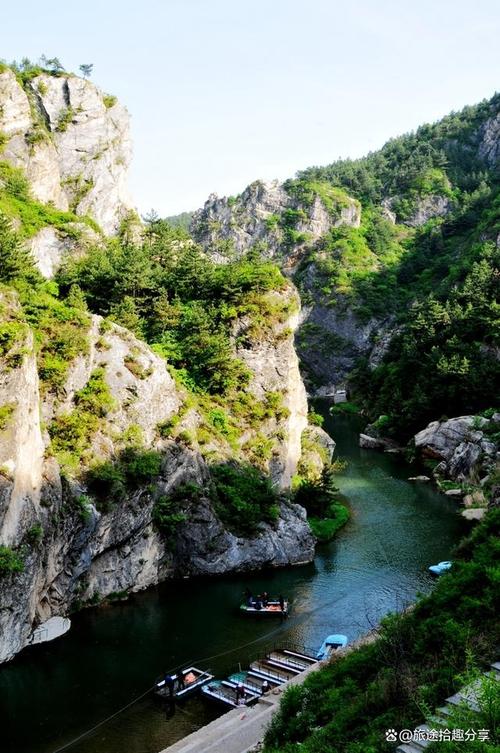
(330, 644)
(194, 679)
(272, 609)
(226, 692)
(440, 568)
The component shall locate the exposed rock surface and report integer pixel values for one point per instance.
(489, 147)
(73, 142)
(50, 246)
(461, 444)
(255, 217)
(85, 554)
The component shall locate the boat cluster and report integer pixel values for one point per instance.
(276, 667)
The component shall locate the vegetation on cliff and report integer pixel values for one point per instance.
(425, 258)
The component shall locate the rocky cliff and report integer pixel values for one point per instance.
(78, 547)
(73, 142)
(95, 432)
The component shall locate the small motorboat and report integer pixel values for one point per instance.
(184, 683)
(230, 693)
(272, 608)
(440, 568)
(330, 644)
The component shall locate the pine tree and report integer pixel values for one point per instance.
(15, 259)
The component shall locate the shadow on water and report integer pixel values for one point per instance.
(378, 562)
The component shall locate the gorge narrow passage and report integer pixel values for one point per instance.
(378, 563)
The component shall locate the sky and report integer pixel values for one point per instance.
(223, 92)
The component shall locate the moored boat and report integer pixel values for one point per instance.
(230, 693)
(330, 644)
(183, 683)
(440, 568)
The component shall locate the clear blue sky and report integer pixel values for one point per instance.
(222, 92)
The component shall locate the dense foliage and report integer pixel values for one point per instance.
(169, 292)
(321, 498)
(436, 283)
(243, 497)
(414, 665)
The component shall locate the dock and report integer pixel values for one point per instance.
(241, 729)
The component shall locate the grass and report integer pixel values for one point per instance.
(325, 528)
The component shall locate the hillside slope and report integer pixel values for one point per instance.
(395, 257)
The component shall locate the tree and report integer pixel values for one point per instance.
(53, 64)
(86, 69)
(15, 259)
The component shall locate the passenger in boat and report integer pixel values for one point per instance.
(181, 685)
(265, 599)
(258, 603)
(265, 687)
(282, 603)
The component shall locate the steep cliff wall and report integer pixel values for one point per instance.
(79, 543)
(72, 140)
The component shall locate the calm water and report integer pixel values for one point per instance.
(50, 695)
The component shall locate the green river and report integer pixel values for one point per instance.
(52, 694)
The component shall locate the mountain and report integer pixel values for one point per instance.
(396, 260)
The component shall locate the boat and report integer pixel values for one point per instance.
(230, 693)
(272, 609)
(253, 681)
(330, 644)
(194, 679)
(441, 567)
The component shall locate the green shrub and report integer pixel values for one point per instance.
(6, 412)
(168, 511)
(109, 100)
(243, 497)
(10, 561)
(325, 528)
(35, 534)
(64, 119)
(316, 419)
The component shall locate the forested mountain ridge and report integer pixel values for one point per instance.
(399, 278)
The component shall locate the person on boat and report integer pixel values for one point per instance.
(265, 599)
(282, 603)
(258, 603)
(180, 681)
(169, 685)
(265, 687)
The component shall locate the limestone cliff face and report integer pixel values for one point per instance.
(257, 217)
(329, 339)
(80, 554)
(72, 140)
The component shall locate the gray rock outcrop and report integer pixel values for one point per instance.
(460, 444)
(73, 142)
(255, 217)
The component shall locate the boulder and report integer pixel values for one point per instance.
(459, 443)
